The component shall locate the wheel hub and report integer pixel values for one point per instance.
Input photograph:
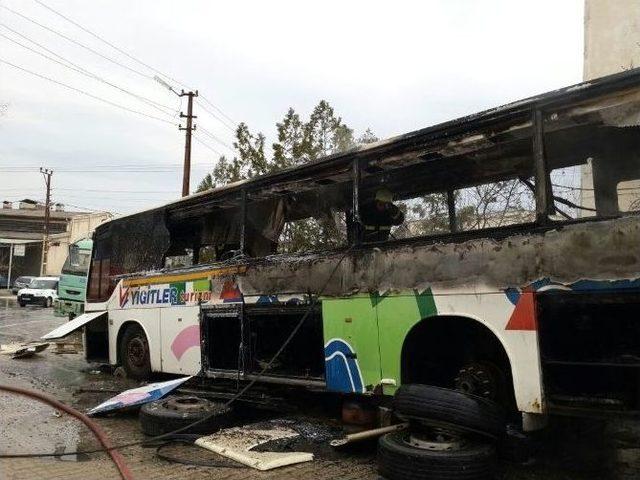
(478, 379)
(137, 351)
(437, 440)
(187, 404)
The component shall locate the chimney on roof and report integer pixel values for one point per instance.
(7, 204)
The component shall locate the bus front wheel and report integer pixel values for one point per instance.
(134, 353)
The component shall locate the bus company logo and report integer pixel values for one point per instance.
(124, 296)
(130, 297)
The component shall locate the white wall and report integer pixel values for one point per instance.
(80, 226)
(611, 37)
(611, 45)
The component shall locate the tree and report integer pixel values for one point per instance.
(290, 148)
(367, 137)
(250, 161)
(325, 133)
(298, 142)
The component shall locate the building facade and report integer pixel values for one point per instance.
(21, 235)
(611, 45)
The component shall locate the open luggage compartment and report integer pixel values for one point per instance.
(242, 339)
(590, 350)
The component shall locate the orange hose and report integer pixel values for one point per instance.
(116, 456)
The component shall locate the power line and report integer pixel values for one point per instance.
(72, 66)
(109, 102)
(214, 137)
(217, 117)
(135, 59)
(118, 49)
(586, 189)
(199, 140)
(75, 42)
(233, 122)
(90, 209)
(15, 32)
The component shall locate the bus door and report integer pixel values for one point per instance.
(223, 330)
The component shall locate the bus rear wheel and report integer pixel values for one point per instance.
(134, 353)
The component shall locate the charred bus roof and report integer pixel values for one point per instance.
(460, 152)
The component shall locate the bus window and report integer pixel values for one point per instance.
(629, 196)
(310, 218)
(423, 215)
(573, 192)
(496, 204)
(136, 243)
(179, 259)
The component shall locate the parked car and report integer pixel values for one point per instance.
(3, 282)
(20, 283)
(41, 290)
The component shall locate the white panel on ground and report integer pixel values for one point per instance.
(69, 327)
(236, 444)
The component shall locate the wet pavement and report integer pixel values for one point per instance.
(568, 450)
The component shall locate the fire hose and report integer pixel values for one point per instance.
(116, 456)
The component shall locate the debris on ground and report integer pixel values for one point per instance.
(63, 347)
(238, 444)
(22, 350)
(138, 396)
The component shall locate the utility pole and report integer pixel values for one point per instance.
(47, 209)
(186, 174)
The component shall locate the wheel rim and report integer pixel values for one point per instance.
(435, 440)
(479, 379)
(189, 404)
(137, 352)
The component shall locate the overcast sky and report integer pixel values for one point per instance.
(389, 66)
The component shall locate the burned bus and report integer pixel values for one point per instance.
(514, 273)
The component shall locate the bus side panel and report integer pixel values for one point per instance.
(180, 330)
(149, 319)
(511, 318)
(397, 314)
(506, 316)
(352, 358)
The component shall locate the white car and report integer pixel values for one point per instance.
(42, 291)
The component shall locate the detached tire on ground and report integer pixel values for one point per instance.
(398, 460)
(457, 411)
(173, 413)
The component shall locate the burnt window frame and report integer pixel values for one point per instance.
(535, 110)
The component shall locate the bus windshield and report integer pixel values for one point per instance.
(77, 262)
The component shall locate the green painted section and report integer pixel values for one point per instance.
(201, 285)
(354, 321)
(397, 314)
(180, 288)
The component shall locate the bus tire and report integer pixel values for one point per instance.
(134, 353)
(176, 412)
(451, 409)
(398, 460)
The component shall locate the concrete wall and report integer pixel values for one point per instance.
(611, 36)
(80, 226)
(611, 45)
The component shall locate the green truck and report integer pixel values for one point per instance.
(73, 280)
